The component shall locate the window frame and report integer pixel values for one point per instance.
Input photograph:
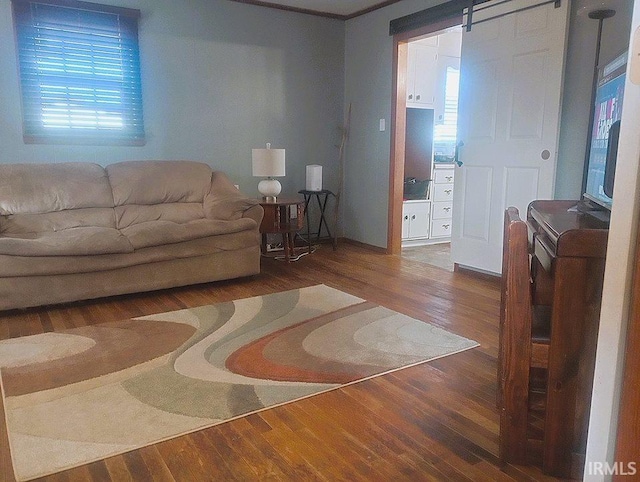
(87, 136)
(442, 132)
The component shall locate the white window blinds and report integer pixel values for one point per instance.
(446, 131)
(79, 72)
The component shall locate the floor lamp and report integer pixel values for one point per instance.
(599, 14)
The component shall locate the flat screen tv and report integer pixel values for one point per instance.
(603, 149)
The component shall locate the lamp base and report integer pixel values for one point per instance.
(269, 188)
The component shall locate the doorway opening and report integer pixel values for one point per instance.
(424, 139)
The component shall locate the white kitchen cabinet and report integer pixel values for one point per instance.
(441, 210)
(422, 75)
(428, 221)
(416, 217)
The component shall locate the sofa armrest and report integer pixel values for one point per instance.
(225, 202)
(256, 213)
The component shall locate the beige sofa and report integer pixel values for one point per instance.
(75, 231)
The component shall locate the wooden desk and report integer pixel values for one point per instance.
(284, 216)
(571, 247)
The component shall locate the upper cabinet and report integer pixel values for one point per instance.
(427, 64)
(421, 75)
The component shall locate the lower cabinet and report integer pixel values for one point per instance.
(416, 216)
(428, 221)
(442, 205)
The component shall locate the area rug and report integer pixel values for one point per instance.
(88, 393)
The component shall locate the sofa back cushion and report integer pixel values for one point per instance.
(146, 191)
(53, 197)
(44, 188)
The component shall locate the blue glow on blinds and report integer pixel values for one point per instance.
(79, 73)
(447, 130)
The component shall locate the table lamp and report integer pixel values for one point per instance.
(268, 163)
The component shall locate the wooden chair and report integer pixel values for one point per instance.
(524, 343)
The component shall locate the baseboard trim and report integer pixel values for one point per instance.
(480, 274)
(360, 244)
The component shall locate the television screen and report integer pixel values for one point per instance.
(603, 148)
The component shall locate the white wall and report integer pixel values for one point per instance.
(369, 77)
(617, 281)
(218, 78)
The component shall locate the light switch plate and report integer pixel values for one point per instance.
(382, 125)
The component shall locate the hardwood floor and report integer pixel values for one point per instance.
(435, 421)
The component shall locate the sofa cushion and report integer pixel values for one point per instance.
(130, 214)
(156, 233)
(19, 266)
(157, 182)
(57, 221)
(44, 188)
(68, 242)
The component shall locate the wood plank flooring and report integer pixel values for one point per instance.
(435, 421)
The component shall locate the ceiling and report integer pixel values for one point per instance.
(328, 8)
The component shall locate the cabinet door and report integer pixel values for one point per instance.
(405, 221)
(419, 215)
(411, 74)
(426, 75)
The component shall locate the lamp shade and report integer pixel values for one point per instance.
(268, 162)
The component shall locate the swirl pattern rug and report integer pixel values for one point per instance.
(88, 393)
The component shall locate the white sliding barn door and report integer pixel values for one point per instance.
(510, 92)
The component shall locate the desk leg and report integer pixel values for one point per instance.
(263, 244)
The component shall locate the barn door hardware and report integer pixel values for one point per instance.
(470, 22)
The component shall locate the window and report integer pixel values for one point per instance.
(447, 131)
(79, 72)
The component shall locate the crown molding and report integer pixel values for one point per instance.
(318, 13)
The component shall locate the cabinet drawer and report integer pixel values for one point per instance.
(440, 228)
(443, 176)
(442, 192)
(442, 210)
